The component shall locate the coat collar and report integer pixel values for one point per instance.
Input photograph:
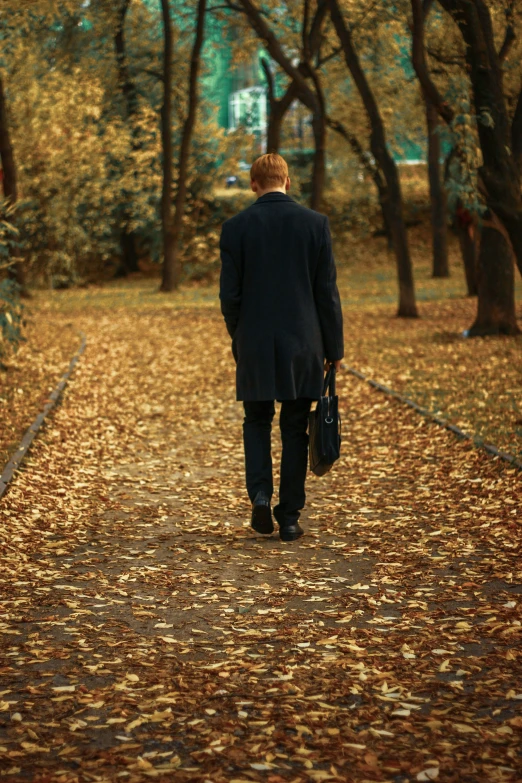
(273, 196)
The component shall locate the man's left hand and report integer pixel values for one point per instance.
(336, 364)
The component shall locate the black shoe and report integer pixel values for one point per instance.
(261, 514)
(290, 532)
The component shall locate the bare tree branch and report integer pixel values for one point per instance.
(127, 85)
(269, 79)
(321, 61)
(460, 62)
(315, 36)
(418, 56)
(227, 5)
(510, 35)
(305, 40)
(277, 53)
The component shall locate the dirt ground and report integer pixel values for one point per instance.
(148, 632)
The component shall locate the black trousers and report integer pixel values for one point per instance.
(257, 428)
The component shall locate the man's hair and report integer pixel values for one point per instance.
(269, 170)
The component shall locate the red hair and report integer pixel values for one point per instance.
(269, 170)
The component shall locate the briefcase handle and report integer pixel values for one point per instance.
(329, 382)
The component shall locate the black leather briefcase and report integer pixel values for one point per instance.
(325, 428)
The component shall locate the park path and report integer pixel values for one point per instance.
(147, 632)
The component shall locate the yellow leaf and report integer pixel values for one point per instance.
(143, 763)
(464, 728)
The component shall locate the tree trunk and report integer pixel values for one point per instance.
(439, 216)
(516, 134)
(169, 259)
(496, 286)
(499, 173)
(277, 108)
(306, 95)
(273, 131)
(407, 306)
(129, 255)
(171, 268)
(127, 85)
(468, 233)
(278, 111)
(513, 224)
(469, 251)
(16, 271)
(10, 183)
(386, 222)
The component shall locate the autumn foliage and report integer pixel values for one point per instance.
(146, 631)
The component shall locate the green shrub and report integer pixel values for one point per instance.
(11, 321)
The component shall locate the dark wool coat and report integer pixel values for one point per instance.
(279, 298)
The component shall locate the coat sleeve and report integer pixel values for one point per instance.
(230, 280)
(327, 300)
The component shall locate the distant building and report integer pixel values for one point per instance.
(247, 107)
(238, 91)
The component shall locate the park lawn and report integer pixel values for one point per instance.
(475, 384)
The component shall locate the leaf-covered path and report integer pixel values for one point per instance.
(147, 632)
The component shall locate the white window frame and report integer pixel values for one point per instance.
(247, 98)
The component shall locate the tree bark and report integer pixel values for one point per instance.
(171, 267)
(311, 42)
(467, 231)
(468, 234)
(516, 135)
(500, 145)
(10, 182)
(127, 85)
(277, 108)
(129, 255)
(319, 130)
(418, 59)
(496, 286)
(277, 112)
(305, 93)
(469, 248)
(500, 173)
(169, 259)
(394, 208)
(439, 213)
(469, 252)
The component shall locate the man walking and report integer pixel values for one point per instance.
(281, 307)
